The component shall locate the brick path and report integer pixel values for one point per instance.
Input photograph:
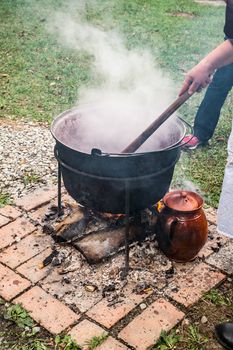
(136, 322)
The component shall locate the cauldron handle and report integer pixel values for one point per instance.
(96, 152)
(181, 141)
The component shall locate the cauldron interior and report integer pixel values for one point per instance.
(71, 129)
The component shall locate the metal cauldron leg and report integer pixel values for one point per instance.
(59, 206)
(127, 204)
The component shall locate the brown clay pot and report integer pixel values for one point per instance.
(182, 228)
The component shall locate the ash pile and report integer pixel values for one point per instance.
(87, 258)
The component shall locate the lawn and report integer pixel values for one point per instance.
(41, 78)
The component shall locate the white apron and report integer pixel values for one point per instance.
(225, 209)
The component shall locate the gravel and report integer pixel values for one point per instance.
(26, 157)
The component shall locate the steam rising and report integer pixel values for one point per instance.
(131, 92)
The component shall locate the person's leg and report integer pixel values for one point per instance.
(209, 111)
(225, 208)
(224, 331)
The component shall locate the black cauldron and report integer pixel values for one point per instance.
(99, 180)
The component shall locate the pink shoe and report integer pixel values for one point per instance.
(191, 142)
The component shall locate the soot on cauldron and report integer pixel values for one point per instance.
(99, 180)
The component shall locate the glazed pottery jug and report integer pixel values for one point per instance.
(182, 228)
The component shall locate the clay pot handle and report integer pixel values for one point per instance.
(170, 226)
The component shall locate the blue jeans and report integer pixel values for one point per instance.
(209, 110)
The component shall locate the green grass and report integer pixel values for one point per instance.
(167, 341)
(29, 177)
(217, 298)
(40, 78)
(4, 199)
(66, 343)
(18, 315)
(18, 331)
(96, 341)
(196, 340)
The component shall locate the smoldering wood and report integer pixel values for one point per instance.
(102, 244)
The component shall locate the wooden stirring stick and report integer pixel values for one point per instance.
(156, 124)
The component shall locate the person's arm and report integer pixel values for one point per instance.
(200, 75)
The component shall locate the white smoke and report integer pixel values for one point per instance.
(130, 94)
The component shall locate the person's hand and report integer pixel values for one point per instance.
(197, 78)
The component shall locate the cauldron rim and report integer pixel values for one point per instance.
(179, 121)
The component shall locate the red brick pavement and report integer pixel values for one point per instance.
(145, 329)
(14, 231)
(11, 283)
(46, 310)
(23, 248)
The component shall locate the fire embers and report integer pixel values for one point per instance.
(49, 259)
(96, 235)
(67, 225)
